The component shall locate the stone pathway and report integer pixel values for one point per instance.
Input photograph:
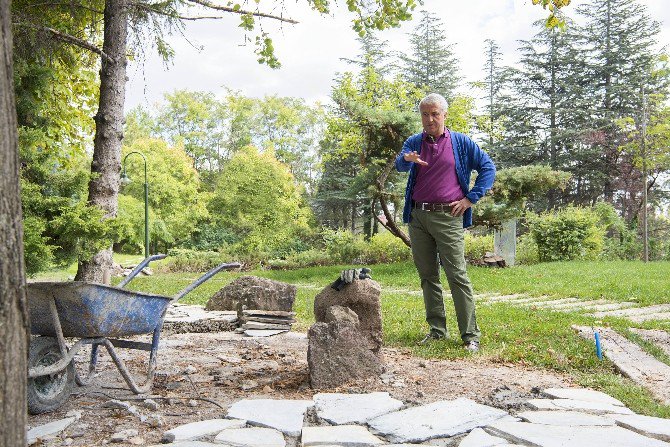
(594, 419)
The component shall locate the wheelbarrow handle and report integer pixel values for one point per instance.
(204, 278)
(139, 268)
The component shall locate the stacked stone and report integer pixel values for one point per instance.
(267, 320)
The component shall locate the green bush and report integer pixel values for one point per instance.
(184, 260)
(477, 246)
(526, 250)
(570, 233)
(342, 246)
(308, 258)
(384, 248)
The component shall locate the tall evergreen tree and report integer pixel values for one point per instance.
(493, 85)
(431, 64)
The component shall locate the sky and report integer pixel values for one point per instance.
(211, 55)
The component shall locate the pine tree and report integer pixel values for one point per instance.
(431, 64)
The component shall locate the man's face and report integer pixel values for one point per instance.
(432, 118)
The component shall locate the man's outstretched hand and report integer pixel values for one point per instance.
(414, 157)
(459, 207)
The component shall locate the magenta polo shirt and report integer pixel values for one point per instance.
(437, 182)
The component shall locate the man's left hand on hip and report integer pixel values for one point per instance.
(459, 207)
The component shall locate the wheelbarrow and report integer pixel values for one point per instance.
(97, 315)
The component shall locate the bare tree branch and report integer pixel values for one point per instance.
(207, 4)
(390, 224)
(69, 39)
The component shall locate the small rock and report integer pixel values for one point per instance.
(249, 385)
(150, 404)
(117, 405)
(386, 378)
(155, 421)
(68, 441)
(267, 389)
(124, 435)
(423, 364)
(192, 403)
(76, 414)
(190, 369)
(136, 441)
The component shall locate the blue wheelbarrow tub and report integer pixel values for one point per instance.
(88, 310)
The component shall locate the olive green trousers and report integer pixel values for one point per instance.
(434, 233)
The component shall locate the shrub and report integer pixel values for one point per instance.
(384, 248)
(571, 233)
(477, 246)
(342, 246)
(526, 250)
(184, 260)
(308, 258)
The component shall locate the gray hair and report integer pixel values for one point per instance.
(435, 99)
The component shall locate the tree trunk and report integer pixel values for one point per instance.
(103, 189)
(13, 311)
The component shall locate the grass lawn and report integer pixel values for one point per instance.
(534, 337)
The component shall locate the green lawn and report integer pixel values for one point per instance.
(527, 336)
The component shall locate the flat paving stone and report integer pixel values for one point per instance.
(49, 430)
(342, 435)
(436, 420)
(251, 437)
(199, 429)
(479, 438)
(557, 436)
(556, 302)
(188, 444)
(633, 362)
(646, 425)
(613, 306)
(284, 415)
(577, 405)
(633, 311)
(648, 317)
(584, 394)
(568, 418)
(263, 332)
(505, 298)
(339, 409)
(658, 337)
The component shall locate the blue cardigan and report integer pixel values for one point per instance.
(467, 155)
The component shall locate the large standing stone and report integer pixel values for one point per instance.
(363, 297)
(341, 409)
(254, 293)
(559, 436)
(335, 353)
(284, 415)
(437, 420)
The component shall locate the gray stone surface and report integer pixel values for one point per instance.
(284, 415)
(263, 332)
(646, 425)
(268, 326)
(269, 313)
(558, 436)
(506, 298)
(649, 317)
(479, 438)
(189, 444)
(340, 409)
(342, 435)
(49, 430)
(569, 418)
(584, 394)
(251, 437)
(436, 420)
(187, 318)
(198, 429)
(577, 405)
(633, 362)
(658, 337)
(633, 311)
(254, 293)
(504, 241)
(555, 302)
(337, 353)
(363, 297)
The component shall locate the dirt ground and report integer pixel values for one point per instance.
(200, 375)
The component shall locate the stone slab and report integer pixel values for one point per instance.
(479, 438)
(263, 332)
(251, 437)
(266, 326)
(584, 394)
(658, 337)
(633, 311)
(188, 444)
(649, 317)
(341, 409)
(509, 298)
(269, 320)
(567, 418)
(283, 415)
(555, 302)
(436, 420)
(633, 362)
(645, 425)
(199, 429)
(581, 304)
(577, 405)
(275, 313)
(342, 435)
(613, 306)
(557, 436)
(49, 430)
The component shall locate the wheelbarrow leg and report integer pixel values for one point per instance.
(83, 381)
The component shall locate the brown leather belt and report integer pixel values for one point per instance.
(431, 206)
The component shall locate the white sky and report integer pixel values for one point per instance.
(310, 52)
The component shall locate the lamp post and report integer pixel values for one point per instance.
(126, 180)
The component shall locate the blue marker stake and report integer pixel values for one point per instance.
(599, 351)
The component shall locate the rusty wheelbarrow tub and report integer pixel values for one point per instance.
(96, 314)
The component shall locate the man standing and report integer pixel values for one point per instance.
(438, 202)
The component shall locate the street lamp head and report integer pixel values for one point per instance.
(124, 178)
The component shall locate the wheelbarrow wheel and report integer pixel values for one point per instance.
(48, 393)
